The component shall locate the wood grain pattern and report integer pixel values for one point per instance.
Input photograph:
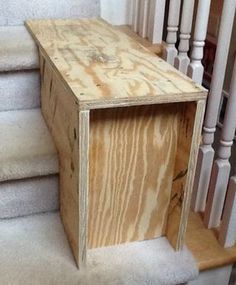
(132, 154)
(83, 184)
(60, 112)
(101, 64)
(155, 48)
(119, 166)
(205, 247)
(188, 145)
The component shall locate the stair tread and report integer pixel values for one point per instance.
(39, 243)
(17, 49)
(19, 90)
(28, 196)
(27, 149)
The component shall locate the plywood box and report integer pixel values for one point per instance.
(127, 128)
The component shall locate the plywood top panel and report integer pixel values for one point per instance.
(102, 65)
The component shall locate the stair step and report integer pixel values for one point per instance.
(16, 12)
(17, 48)
(28, 196)
(27, 149)
(35, 250)
(19, 90)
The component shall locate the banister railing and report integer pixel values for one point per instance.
(195, 68)
(182, 60)
(212, 175)
(148, 19)
(170, 51)
(221, 166)
(227, 236)
(206, 151)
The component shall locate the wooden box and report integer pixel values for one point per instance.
(127, 128)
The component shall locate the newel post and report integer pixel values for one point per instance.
(206, 151)
(195, 69)
(170, 51)
(182, 60)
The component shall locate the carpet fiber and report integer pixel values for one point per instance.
(27, 149)
(35, 251)
(19, 90)
(17, 49)
(15, 12)
(28, 196)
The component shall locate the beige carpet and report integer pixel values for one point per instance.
(28, 149)
(35, 251)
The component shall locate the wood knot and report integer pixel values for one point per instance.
(101, 58)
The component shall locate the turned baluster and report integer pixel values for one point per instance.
(195, 68)
(170, 51)
(227, 236)
(182, 60)
(206, 151)
(156, 20)
(135, 16)
(143, 18)
(221, 166)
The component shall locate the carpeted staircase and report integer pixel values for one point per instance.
(28, 158)
(29, 166)
(33, 246)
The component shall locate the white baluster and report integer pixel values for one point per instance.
(195, 69)
(135, 16)
(227, 236)
(143, 18)
(170, 51)
(182, 60)
(221, 167)
(156, 20)
(206, 151)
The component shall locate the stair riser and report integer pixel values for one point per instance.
(28, 196)
(19, 90)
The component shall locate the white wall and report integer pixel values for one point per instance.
(116, 12)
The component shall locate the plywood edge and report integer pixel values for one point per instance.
(83, 185)
(205, 247)
(191, 172)
(189, 141)
(145, 100)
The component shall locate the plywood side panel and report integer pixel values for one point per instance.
(185, 133)
(60, 112)
(132, 155)
(186, 159)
